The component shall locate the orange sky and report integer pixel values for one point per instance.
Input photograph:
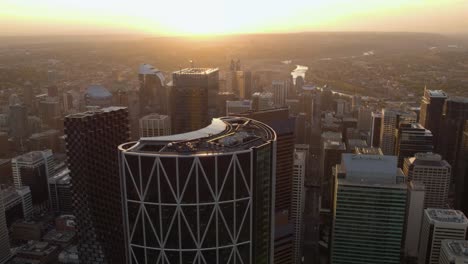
(189, 17)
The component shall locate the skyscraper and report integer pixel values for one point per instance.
(5, 252)
(375, 129)
(153, 95)
(331, 151)
(369, 215)
(297, 200)
(92, 139)
(155, 125)
(33, 169)
(434, 173)
(439, 224)
(280, 92)
(193, 100)
(432, 108)
(412, 139)
(414, 215)
(391, 120)
(60, 192)
(205, 196)
(461, 188)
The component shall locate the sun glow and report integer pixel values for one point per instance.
(204, 17)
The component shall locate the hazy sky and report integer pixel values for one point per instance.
(190, 17)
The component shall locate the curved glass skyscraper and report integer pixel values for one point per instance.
(205, 196)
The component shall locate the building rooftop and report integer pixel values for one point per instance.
(334, 144)
(62, 177)
(224, 135)
(368, 151)
(428, 159)
(456, 249)
(154, 117)
(32, 157)
(98, 92)
(195, 71)
(96, 111)
(436, 93)
(147, 69)
(446, 216)
(370, 168)
(50, 132)
(55, 236)
(458, 99)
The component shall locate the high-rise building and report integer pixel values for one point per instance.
(434, 173)
(262, 101)
(236, 107)
(439, 224)
(364, 121)
(193, 100)
(60, 192)
(153, 94)
(297, 200)
(414, 215)
(218, 198)
(331, 151)
(18, 119)
(411, 139)
(454, 252)
(5, 252)
(453, 121)
(155, 125)
(17, 204)
(369, 213)
(97, 96)
(461, 188)
(49, 111)
(92, 139)
(432, 108)
(375, 129)
(391, 120)
(280, 92)
(33, 169)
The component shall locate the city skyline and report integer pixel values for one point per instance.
(208, 17)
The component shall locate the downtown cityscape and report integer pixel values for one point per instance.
(266, 146)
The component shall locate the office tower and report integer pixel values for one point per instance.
(414, 216)
(375, 129)
(391, 120)
(434, 173)
(262, 101)
(49, 112)
(33, 169)
(193, 98)
(155, 125)
(18, 119)
(348, 124)
(4, 145)
(297, 200)
(223, 97)
(5, 252)
(461, 188)
(92, 139)
(439, 224)
(48, 139)
(280, 92)
(453, 252)
(331, 151)
(340, 107)
(235, 107)
(17, 204)
(60, 192)
(97, 95)
(28, 95)
(432, 108)
(369, 212)
(453, 121)
(217, 203)
(412, 139)
(153, 95)
(248, 85)
(355, 102)
(364, 121)
(67, 101)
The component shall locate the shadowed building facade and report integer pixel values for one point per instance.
(204, 196)
(92, 139)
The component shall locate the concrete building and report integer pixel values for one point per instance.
(97, 95)
(33, 169)
(375, 129)
(5, 252)
(391, 120)
(218, 198)
(60, 192)
(414, 216)
(370, 207)
(280, 92)
(364, 118)
(434, 173)
(454, 252)
(155, 125)
(461, 188)
(193, 100)
(298, 199)
(262, 101)
(17, 203)
(439, 224)
(152, 94)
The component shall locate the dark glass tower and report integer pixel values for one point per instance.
(412, 139)
(193, 100)
(153, 96)
(92, 139)
(432, 108)
(201, 197)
